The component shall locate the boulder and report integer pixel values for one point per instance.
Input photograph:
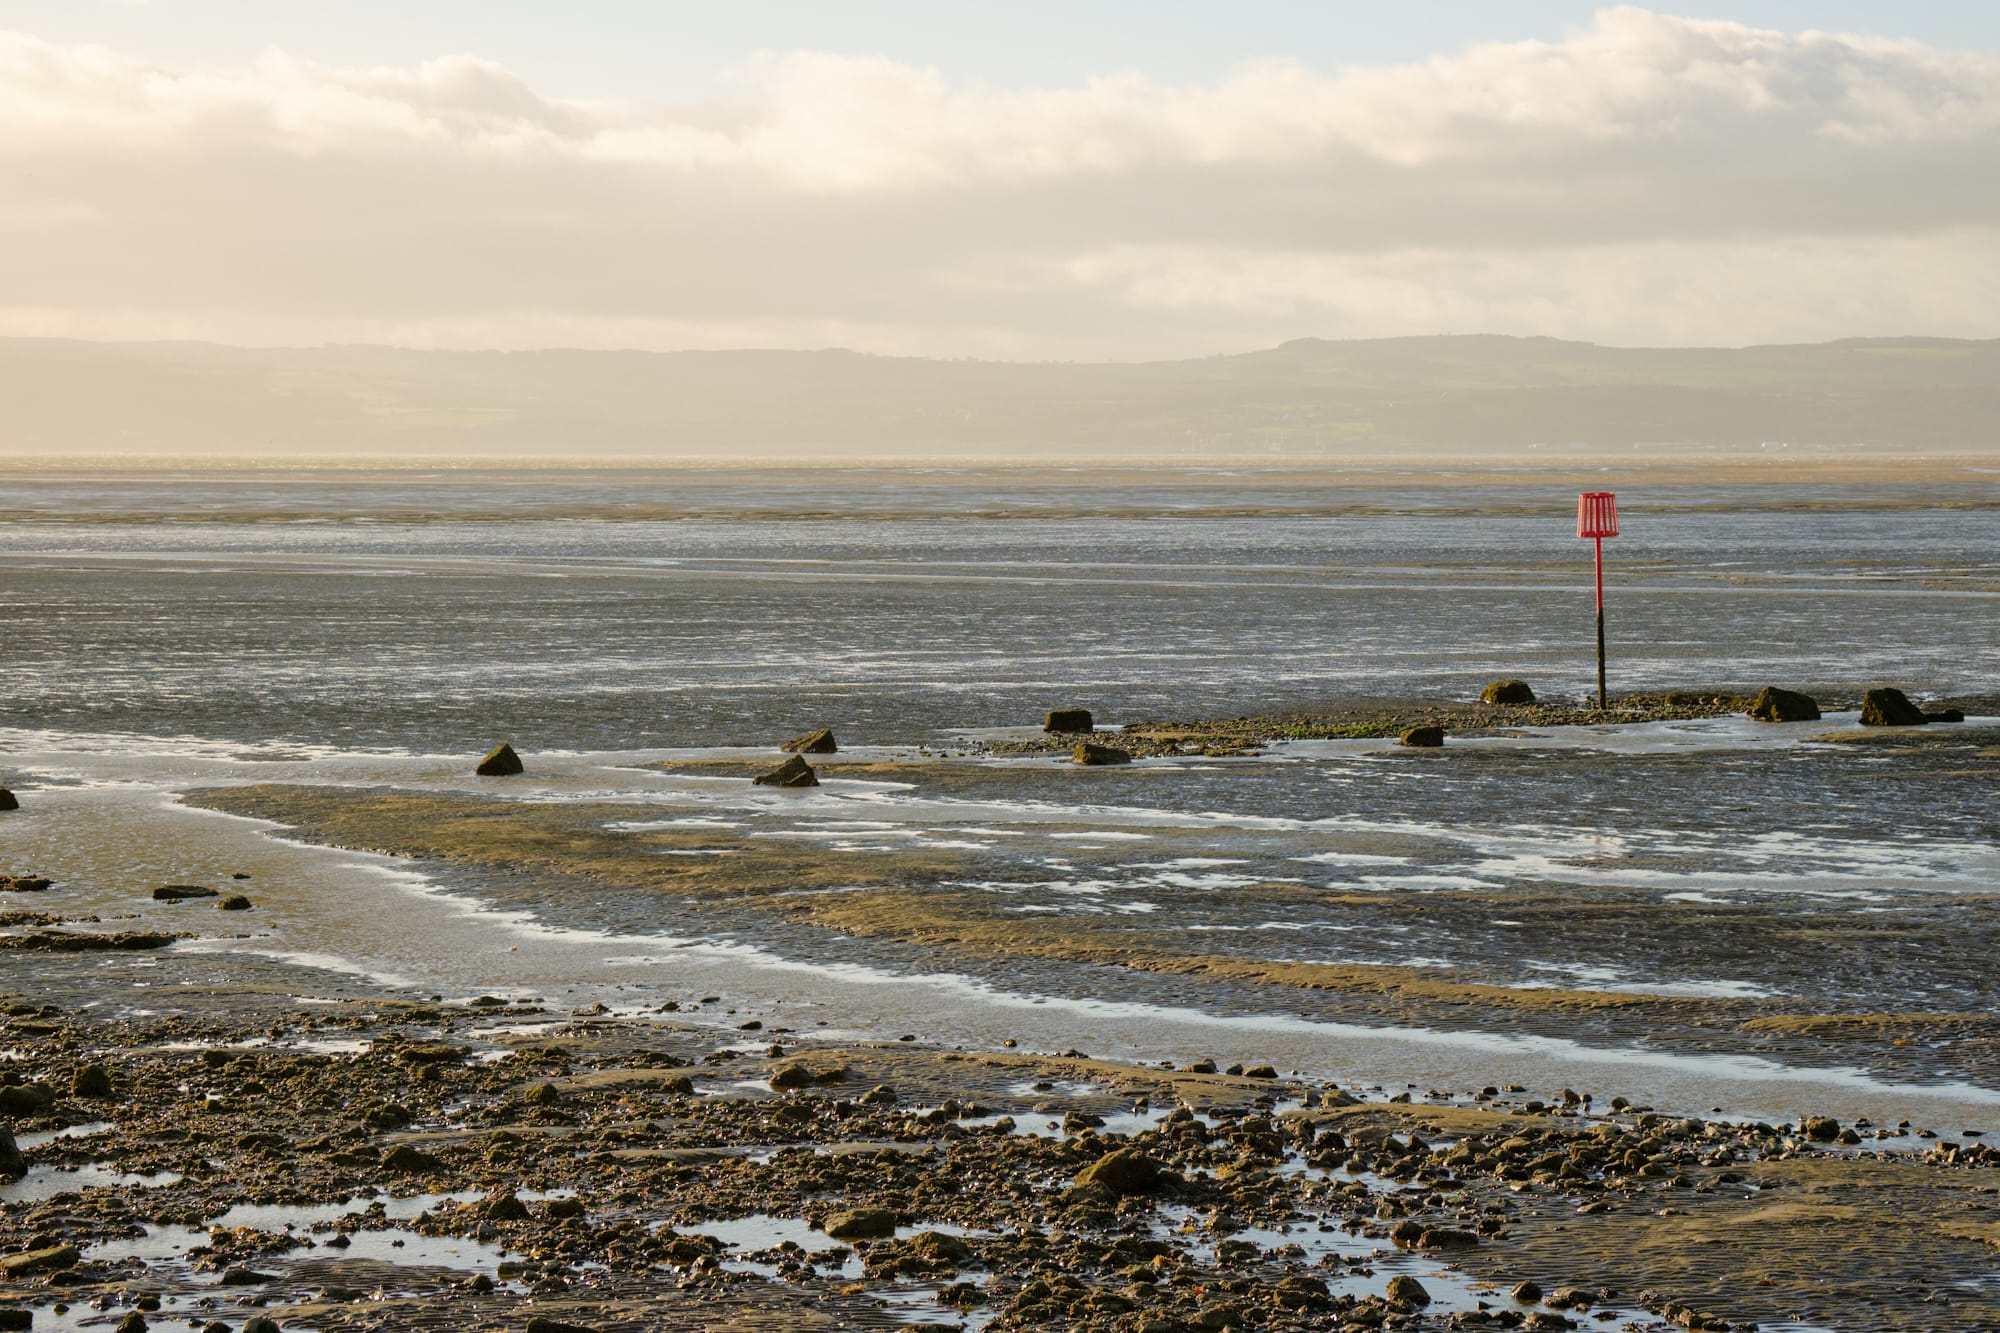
(27, 1098)
(1775, 705)
(1406, 1290)
(862, 1224)
(1424, 738)
(1127, 1171)
(51, 1259)
(260, 1324)
(8, 801)
(12, 1165)
(1068, 721)
(791, 1077)
(1086, 753)
(91, 1081)
(24, 883)
(235, 902)
(1507, 692)
(1887, 707)
(410, 1160)
(794, 772)
(500, 762)
(813, 742)
(542, 1325)
(177, 893)
(1946, 715)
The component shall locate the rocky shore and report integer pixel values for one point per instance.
(382, 1165)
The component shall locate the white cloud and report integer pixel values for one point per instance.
(1646, 179)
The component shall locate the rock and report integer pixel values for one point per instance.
(1406, 1290)
(8, 801)
(235, 902)
(503, 1206)
(794, 772)
(91, 1081)
(175, 893)
(50, 1259)
(1572, 1298)
(246, 1277)
(1507, 692)
(1820, 1128)
(861, 1224)
(1445, 1238)
(1527, 1293)
(24, 883)
(406, 1158)
(1425, 738)
(1775, 705)
(12, 1165)
(1127, 1171)
(542, 1094)
(12, 1319)
(132, 1323)
(939, 1248)
(1086, 753)
(539, 1325)
(562, 1208)
(1887, 707)
(1260, 1071)
(790, 1077)
(1946, 715)
(27, 1098)
(1068, 721)
(500, 762)
(813, 742)
(261, 1324)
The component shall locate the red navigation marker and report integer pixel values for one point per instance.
(1597, 518)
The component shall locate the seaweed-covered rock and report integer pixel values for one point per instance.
(1507, 692)
(861, 1224)
(1086, 753)
(8, 801)
(12, 1164)
(1945, 715)
(1423, 738)
(794, 772)
(1775, 705)
(91, 1081)
(500, 762)
(1127, 1171)
(177, 893)
(1406, 1290)
(813, 742)
(1886, 707)
(235, 902)
(1068, 721)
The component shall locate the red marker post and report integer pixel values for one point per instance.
(1597, 518)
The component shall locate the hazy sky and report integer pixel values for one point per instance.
(1028, 180)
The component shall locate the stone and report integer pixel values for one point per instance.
(406, 1158)
(862, 1224)
(8, 801)
(1446, 1238)
(175, 893)
(1527, 1293)
(91, 1081)
(1507, 692)
(1260, 1071)
(1406, 1290)
(541, 1325)
(261, 1324)
(24, 883)
(939, 1248)
(794, 772)
(1424, 738)
(1887, 707)
(246, 1277)
(1068, 721)
(49, 1259)
(1127, 1171)
(1572, 1298)
(132, 1323)
(791, 1077)
(503, 1206)
(1945, 715)
(12, 1164)
(500, 762)
(1820, 1128)
(12, 1319)
(1775, 705)
(27, 1098)
(813, 742)
(235, 902)
(1086, 753)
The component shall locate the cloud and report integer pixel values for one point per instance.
(1645, 179)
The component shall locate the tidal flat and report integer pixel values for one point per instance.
(1680, 1018)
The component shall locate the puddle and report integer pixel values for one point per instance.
(46, 1182)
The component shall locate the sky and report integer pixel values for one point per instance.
(1084, 180)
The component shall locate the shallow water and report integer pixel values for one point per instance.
(204, 633)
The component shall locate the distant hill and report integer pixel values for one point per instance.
(1404, 397)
